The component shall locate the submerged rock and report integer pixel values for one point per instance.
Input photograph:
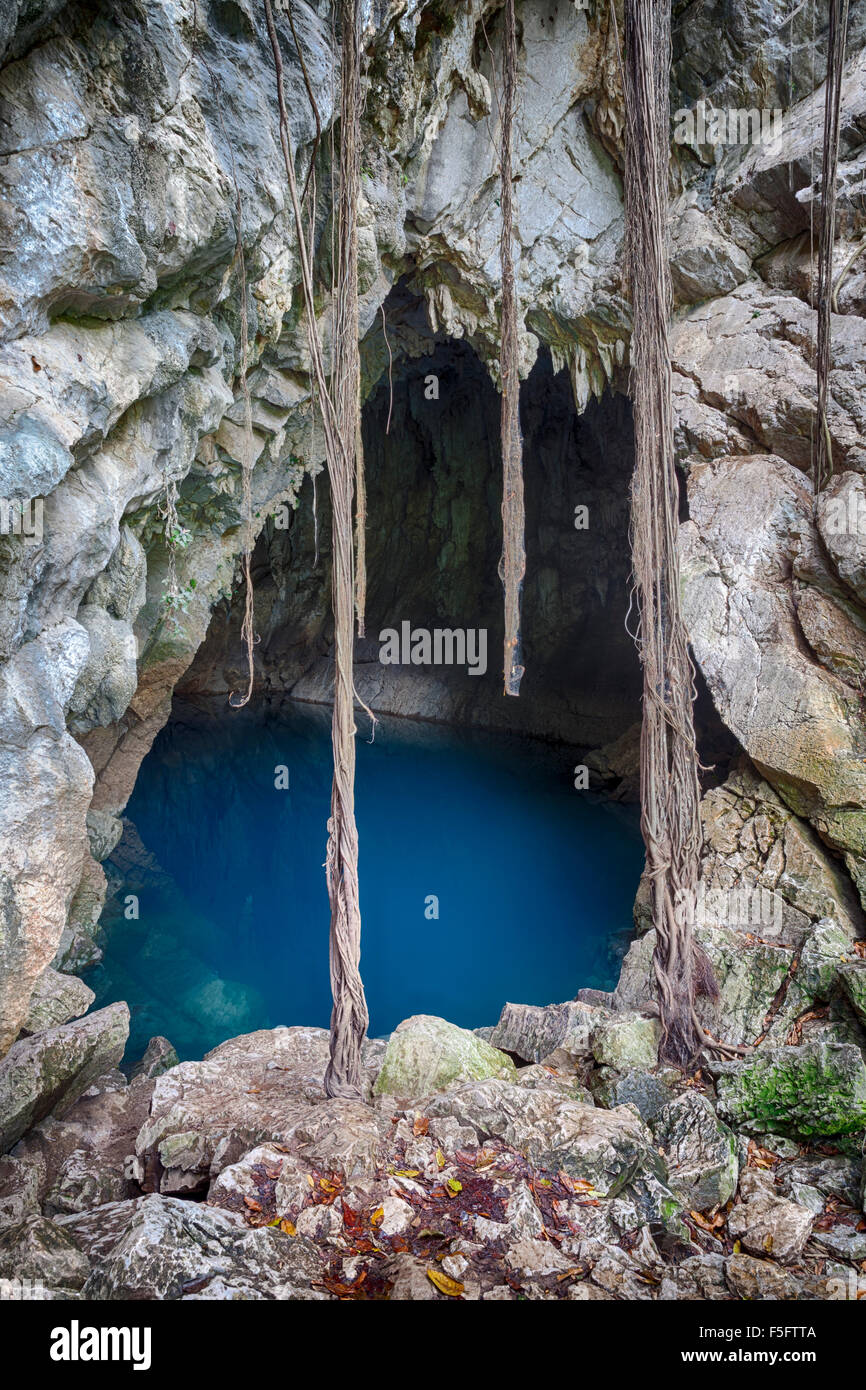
(816, 1089)
(46, 1073)
(426, 1054)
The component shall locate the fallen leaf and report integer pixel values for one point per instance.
(451, 1287)
(421, 1125)
(253, 1204)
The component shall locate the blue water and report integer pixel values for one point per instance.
(533, 880)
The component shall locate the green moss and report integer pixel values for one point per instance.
(817, 1090)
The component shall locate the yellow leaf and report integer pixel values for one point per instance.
(440, 1159)
(406, 1172)
(451, 1287)
(377, 1217)
(455, 1186)
(287, 1227)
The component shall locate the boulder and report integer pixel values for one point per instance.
(84, 1157)
(853, 977)
(701, 1152)
(532, 1032)
(277, 1181)
(831, 1176)
(626, 1040)
(642, 1089)
(158, 1056)
(767, 1224)
(165, 1248)
(257, 1089)
(41, 1252)
(426, 1054)
(605, 1148)
(56, 999)
(756, 1280)
(815, 1090)
(20, 1180)
(46, 1073)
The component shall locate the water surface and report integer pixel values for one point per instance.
(533, 881)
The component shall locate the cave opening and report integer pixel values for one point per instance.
(490, 870)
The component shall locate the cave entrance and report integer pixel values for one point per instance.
(485, 874)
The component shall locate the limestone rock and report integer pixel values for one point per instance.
(45, 1074)
(256, 1089)
(755, 1280)
(158, 1056)
(701, 1152)
(532, 1032)
(42, 1252)
(426, 1054)
(853, 977)
(648, 1093)
(603, 1147)
(55, 1000)
(84, 1158)
(626, 1040)
(767, 1224)
(165, 1248)
(20, 1181)
(814, 1090)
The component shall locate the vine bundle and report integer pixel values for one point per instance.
(823, 464)
(512, 564)
(339, 412)
(670, 792)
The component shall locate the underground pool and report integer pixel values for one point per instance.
(485, 877)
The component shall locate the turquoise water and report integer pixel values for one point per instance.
(532, 880)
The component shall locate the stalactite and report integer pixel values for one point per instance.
(670, 792)
(349, 1017)
(512, 565)
(823, 462)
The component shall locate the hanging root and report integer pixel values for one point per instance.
(512, 565)
(823, 463)
(670, 791)
(247, 626)
(349, 1017)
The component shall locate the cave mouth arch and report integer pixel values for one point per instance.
(485, 875)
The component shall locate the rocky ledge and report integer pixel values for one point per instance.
(546, 1158)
